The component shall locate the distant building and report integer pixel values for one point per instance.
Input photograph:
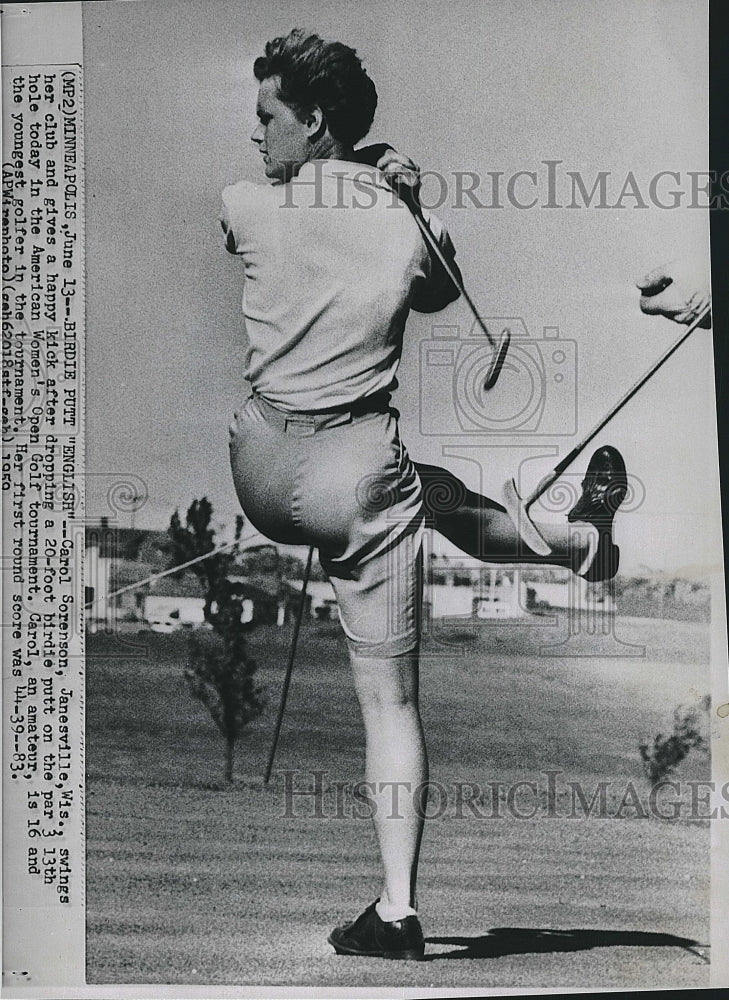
(320, 602)
(124, 559)
(117, 558)
(455, 590)
(574, 594)
(459, 590)
(501, 594)
(97, 585)
(167, 614)
(264, 603)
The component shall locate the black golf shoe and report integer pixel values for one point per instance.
(603, 490)
(371, 937)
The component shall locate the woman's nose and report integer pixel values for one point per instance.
(257, 134)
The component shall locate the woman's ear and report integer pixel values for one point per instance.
(315, 123)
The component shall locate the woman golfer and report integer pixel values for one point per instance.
(333, 263)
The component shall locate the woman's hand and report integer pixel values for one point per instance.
(402, 173)
(679, 290)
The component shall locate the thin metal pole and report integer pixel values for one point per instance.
(569, 459)
(290, 665)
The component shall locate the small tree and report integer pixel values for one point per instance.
(220, 670)
(220, 674)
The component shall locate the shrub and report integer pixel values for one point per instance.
(663, 757)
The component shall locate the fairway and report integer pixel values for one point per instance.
(191, 881)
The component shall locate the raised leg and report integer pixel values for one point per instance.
(482, 528)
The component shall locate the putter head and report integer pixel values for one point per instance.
(518, 511)
(497, 360)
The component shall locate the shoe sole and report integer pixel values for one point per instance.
(408, 955)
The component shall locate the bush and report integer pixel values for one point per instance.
(667, 752)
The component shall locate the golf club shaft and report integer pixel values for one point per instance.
(371, 156)
(437, 252)
(569, 458)
(290, 665)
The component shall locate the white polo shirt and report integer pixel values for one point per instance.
(333, 262)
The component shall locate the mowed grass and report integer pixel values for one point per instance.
(191, 881)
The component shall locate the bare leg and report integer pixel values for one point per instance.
(482, 528)
(387, 689)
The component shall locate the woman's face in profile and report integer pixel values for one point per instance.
(282, 138)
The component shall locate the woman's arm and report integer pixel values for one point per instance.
(403, 174)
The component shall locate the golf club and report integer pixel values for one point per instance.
(518, 508)
(371, 155)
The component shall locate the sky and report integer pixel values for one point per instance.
(471, 86)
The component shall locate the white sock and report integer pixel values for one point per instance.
(388, 912)
(593, 540)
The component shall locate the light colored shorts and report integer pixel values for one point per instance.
(345, 484)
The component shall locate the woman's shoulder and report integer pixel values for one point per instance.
(241, 192)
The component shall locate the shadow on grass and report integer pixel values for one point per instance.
(500, 941)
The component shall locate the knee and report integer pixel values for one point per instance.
(386, 685)
(442, 491)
